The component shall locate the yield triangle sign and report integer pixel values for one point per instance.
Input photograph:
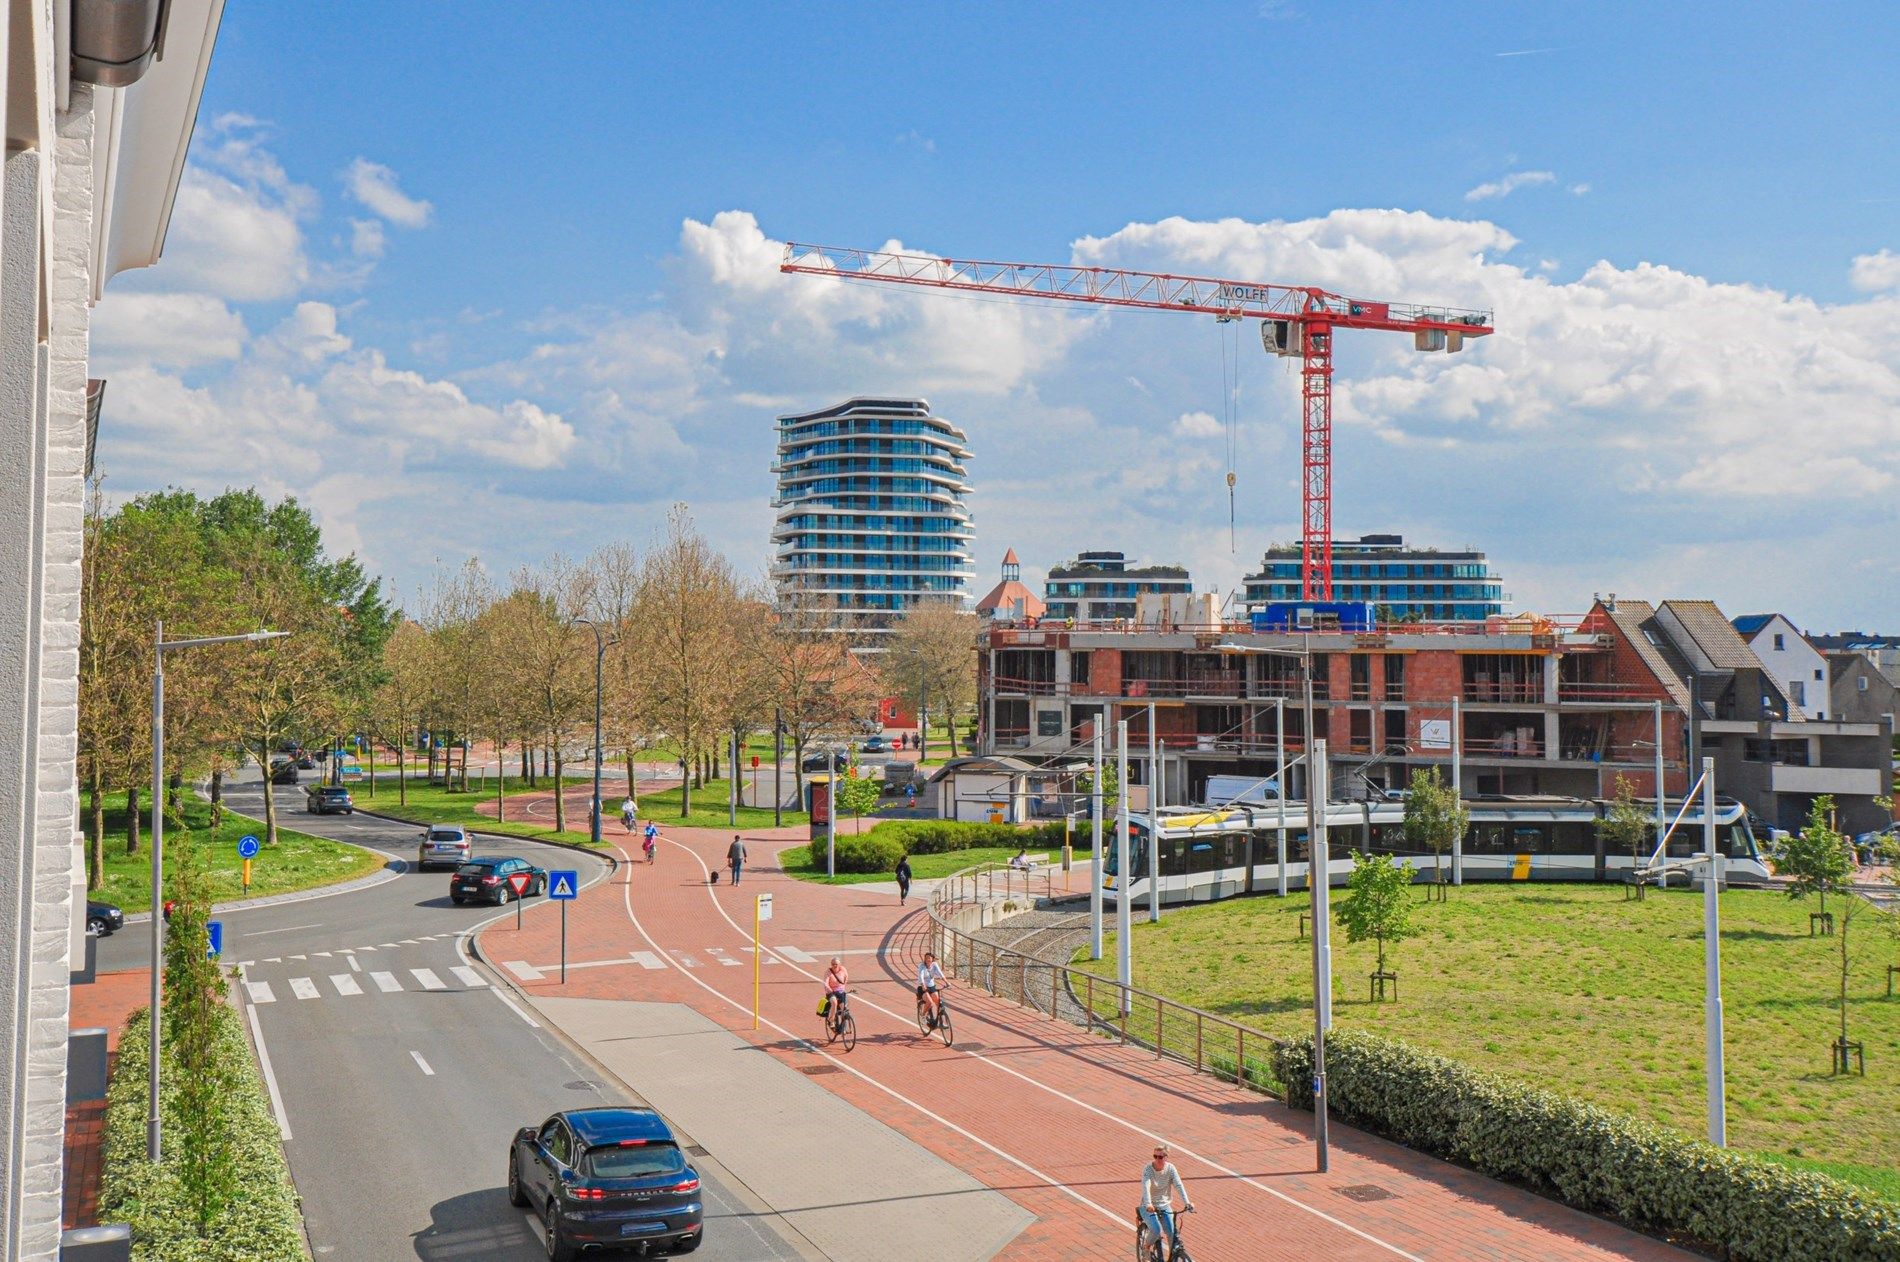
(518, 882)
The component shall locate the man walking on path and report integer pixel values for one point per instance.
(903, 880)
(735, 855)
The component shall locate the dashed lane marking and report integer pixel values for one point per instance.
(646, 959)
(795, 955)
(354, 966)
(422, 1064)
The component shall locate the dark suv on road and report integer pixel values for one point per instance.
(606, 1178)
(484, 879)
(330, 799)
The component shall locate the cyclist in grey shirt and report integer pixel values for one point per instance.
(1159, 1182)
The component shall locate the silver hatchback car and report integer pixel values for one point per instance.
(443, 845)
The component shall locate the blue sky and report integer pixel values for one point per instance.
(516, 265)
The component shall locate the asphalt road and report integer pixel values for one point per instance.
(403, 1069)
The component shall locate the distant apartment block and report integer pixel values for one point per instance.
(1103, 587)
(1420, 584)
(872, 516)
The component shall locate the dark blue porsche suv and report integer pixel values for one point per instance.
(609, 1178)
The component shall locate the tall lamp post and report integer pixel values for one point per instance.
(160, 647)
(600, 659)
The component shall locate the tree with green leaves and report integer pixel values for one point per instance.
(1627, 825)
(1815, 860)
(1375, 906)
(1434, 818)
(858, 794)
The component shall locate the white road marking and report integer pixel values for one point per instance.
(646, 959)
(275, 959)
(258, 933)
(293, 957)
(354, 966)
(468, 976)
(795, 955)
(246, 963)
(423, 1064)
(686, 961)
(315, 955)
(345, 984)
(260, 992)
(303, 988)
(270, 1076)
(522, 969)
(366, 948)
(719, 954)
(428, 979)
(386, 982)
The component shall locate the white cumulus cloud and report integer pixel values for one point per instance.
(1875, 273)
(1506, 185)
(375, 187)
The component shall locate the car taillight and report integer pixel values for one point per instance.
(491, 880)
(685, 1185)
(587, 1194)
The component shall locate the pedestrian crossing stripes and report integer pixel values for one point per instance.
(345, 984)
(303, 988)
(427, 979)
(260, 992)
(468, 976)
(646, 959)
(795, 955)
(385, 982)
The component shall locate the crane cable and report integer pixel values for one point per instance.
(1230, 389)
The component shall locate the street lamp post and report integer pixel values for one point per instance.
(600, 660)
(1318, 878)
(160, 647)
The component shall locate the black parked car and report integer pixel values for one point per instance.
(330, 799)
(606, 1178)
(103, 918)
(284, 772)
(486, 879)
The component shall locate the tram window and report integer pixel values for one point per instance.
(1389, 839)
(1137, 858)
(1740, 843)
(1204, 854)
(1572, 837)
(1489, 839)
(1171, 855)
(1232, 851)
(1529, 839)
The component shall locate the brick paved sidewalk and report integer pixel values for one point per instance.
(1059, 1120)
(106, 1004)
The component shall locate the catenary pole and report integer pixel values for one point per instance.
(1279, 738)
(1661, 821)
(154, 1023)
(1124, 956)
(1095, 826)
(831, 815)
(1458, 786)
(1712, 964)
(1154, 820)
(778, 764)
(1317, 877)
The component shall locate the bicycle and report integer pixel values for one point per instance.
(840, 1024)
(1150, 1250)
(941, 1025)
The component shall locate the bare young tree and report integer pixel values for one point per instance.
(808, 673)
(401, 700)
(932, 658)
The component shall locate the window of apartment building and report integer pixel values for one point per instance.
(1394, 676)
(1817, 674)
(1012, 719)
(1359, 731)
(1394, 729)
(1862, 682)
(1800, 691)
(1778, 642)
(1079, 667)
(1361, 667)
(1321, 668)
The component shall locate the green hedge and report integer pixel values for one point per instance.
(263, 1223)
(865, 852)
(1650, 1177)
(939, 836)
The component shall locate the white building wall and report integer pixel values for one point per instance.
(1794, 662)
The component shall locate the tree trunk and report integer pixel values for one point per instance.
(633, 782)
(270, 797)
(1845, 921)
(132, 820)
(527, 763)
(560, 795)
(96, 808)
(217, 797)
(500, 780)
(372, 768)
(686, 791)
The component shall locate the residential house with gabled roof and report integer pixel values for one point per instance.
(1799, 669)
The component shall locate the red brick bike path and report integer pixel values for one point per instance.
(1058, 1120)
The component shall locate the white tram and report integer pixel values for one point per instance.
(1221, 852)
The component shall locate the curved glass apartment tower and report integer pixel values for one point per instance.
(871, 511)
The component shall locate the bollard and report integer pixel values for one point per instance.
(96, 1244)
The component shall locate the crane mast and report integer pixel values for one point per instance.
(1297, 321)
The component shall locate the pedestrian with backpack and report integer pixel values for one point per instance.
(903, 880)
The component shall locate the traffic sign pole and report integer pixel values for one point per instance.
(761, 912)
(564, 942)
(247, 877)
(564, 887)
(247, 850)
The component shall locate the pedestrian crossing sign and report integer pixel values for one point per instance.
(564, 884)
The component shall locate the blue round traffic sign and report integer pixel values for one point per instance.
(247, 846)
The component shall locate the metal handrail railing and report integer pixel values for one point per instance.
(1080, 997)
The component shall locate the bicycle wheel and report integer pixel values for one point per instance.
(850, 1032)
(923, 1017)
(831, 1027)
(943, 1023)
(1142, 1252)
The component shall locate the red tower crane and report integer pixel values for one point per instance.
(1297, 321)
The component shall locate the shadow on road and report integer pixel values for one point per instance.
(478, 1225)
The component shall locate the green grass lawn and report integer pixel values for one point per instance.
(298, 862)
(435, 804)
(1573, 989)
(923, 867)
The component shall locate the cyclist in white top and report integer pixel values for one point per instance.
(930, 980)
(1159, 1182)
